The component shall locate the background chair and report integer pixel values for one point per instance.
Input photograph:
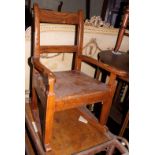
(53, 92)
(119, 60)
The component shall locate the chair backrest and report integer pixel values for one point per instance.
(121, 32)
(54, 17)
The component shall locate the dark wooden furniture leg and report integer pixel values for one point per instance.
(34, 95)
(125, 123)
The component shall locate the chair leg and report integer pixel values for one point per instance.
(106, 104)
(34, 94)
(97, 75)
(125, 123)
(48, 124)
(34, 99)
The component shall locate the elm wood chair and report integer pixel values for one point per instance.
(53, 92)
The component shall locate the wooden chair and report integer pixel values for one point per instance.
(58, 97)
(119, 60)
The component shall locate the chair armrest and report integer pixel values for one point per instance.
(103, 66)
(42, 69)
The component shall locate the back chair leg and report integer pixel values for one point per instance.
(34, 99)
(98, 72)
(124, 126)
(34, 94)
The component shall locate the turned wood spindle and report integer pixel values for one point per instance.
(122, 30)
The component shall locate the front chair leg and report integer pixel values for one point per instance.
(106, 104)
(49, 116)
(48, 124)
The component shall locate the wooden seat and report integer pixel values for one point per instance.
(78, 85)
(54, 92)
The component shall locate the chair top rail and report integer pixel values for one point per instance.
(54, 17)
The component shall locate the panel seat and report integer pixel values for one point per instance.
(74, 88)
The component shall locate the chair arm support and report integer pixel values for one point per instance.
(103, 66)
(42, 69)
